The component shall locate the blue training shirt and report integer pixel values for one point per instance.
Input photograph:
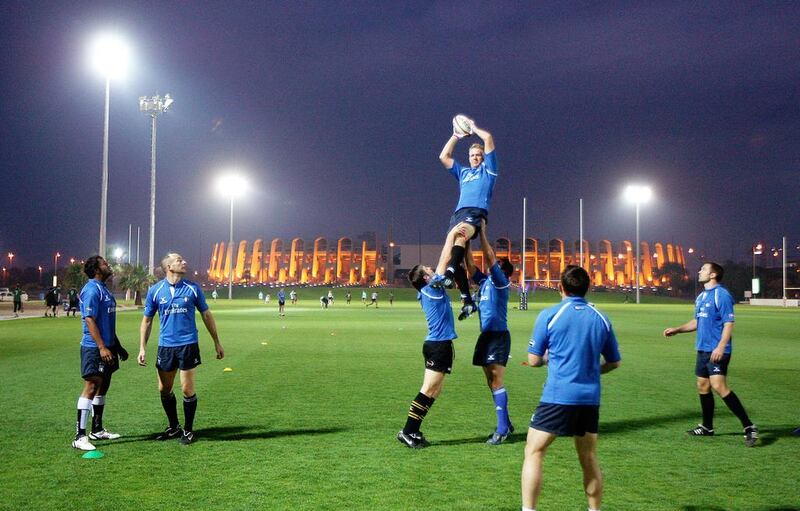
(476, 184)
(493, 298)
(438, 313)
(576, 334)
(175, 305)
(712, 309)
(98, 303)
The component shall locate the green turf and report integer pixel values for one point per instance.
(308, 420)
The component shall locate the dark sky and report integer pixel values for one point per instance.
(337, 112)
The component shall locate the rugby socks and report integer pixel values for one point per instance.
(501, 408)
(416, 413)
(84, 405)
(170, 405)
(528, 508)
(463, 284)
(456, 258)
(707, 405)
(98, 404)
(738, 410)
(189, 408)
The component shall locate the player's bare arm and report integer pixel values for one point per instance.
(486, 247)
(144, 334)
(488, 140)
(211, 326)
(719, 351)
(446, 156)
(105, 353)
(685, 328)
(607, 367)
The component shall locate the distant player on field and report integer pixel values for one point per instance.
(176, 300)
(713, 321)
(348, 296)
(374, 299)
(293, 296)
(476, 184)
(364, 296)
(494, 343)
(281, 302)
(573, 335)
(437, 350)
(99, 357)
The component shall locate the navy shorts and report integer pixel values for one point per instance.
(566, 420)
(492, 348)
(439, 356)
(93, 365)
(178, 357)
(472, 216)
(705, 368)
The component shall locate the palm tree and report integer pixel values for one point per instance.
(134, 277)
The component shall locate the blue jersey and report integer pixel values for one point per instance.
(175, 305)
(493, 299)
(476, 184)
(438, 313)
(576, 334)
(281, 296)
(98, 303)
(712, 309)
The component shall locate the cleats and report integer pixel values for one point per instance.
(796, 432)
(701, 430)
(467, 310)
(750, 436)
(170, 433)
(497, 438)
(187, 438)
(103, 434)
(82, 443)
(412, 440)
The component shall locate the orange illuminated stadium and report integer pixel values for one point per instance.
(609, 263)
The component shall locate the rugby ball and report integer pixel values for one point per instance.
(462, 125)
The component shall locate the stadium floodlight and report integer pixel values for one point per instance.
(153, 106)
(231, 186)
(638, 195)
(118, 253)
(109, 56)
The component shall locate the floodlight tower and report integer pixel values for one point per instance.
(109, 58)
(638, 195)
(231, 186)
(153, 106)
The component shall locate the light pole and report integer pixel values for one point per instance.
(10, 260)
(231, 186)
(638, 194)
(153, 106)
(109, 58)
(55, 268)
(40, 275)
(758, 249)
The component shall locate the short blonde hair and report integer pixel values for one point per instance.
(479, 146)
(168, 259)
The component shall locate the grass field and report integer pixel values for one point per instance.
(307, 420)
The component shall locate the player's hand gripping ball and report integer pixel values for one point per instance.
(462, 126)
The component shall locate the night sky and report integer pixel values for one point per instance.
(337, 111)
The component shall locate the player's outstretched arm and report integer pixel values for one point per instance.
(144, 334)
(446, 156)
(687, 327)
(211, 326)
(488, 251)
(488, 139)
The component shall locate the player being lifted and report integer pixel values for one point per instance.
(476, 183)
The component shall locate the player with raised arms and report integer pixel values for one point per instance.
(476, 183)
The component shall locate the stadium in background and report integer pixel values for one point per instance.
(609, 263)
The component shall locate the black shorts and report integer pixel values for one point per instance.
(281, 302)
(93, 365)
(439, 356)
(566, 420)
(472, 216)
(705, 368)
(178, 357)
(492, 347)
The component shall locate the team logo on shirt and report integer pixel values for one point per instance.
(472, 176)
(162, 301)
